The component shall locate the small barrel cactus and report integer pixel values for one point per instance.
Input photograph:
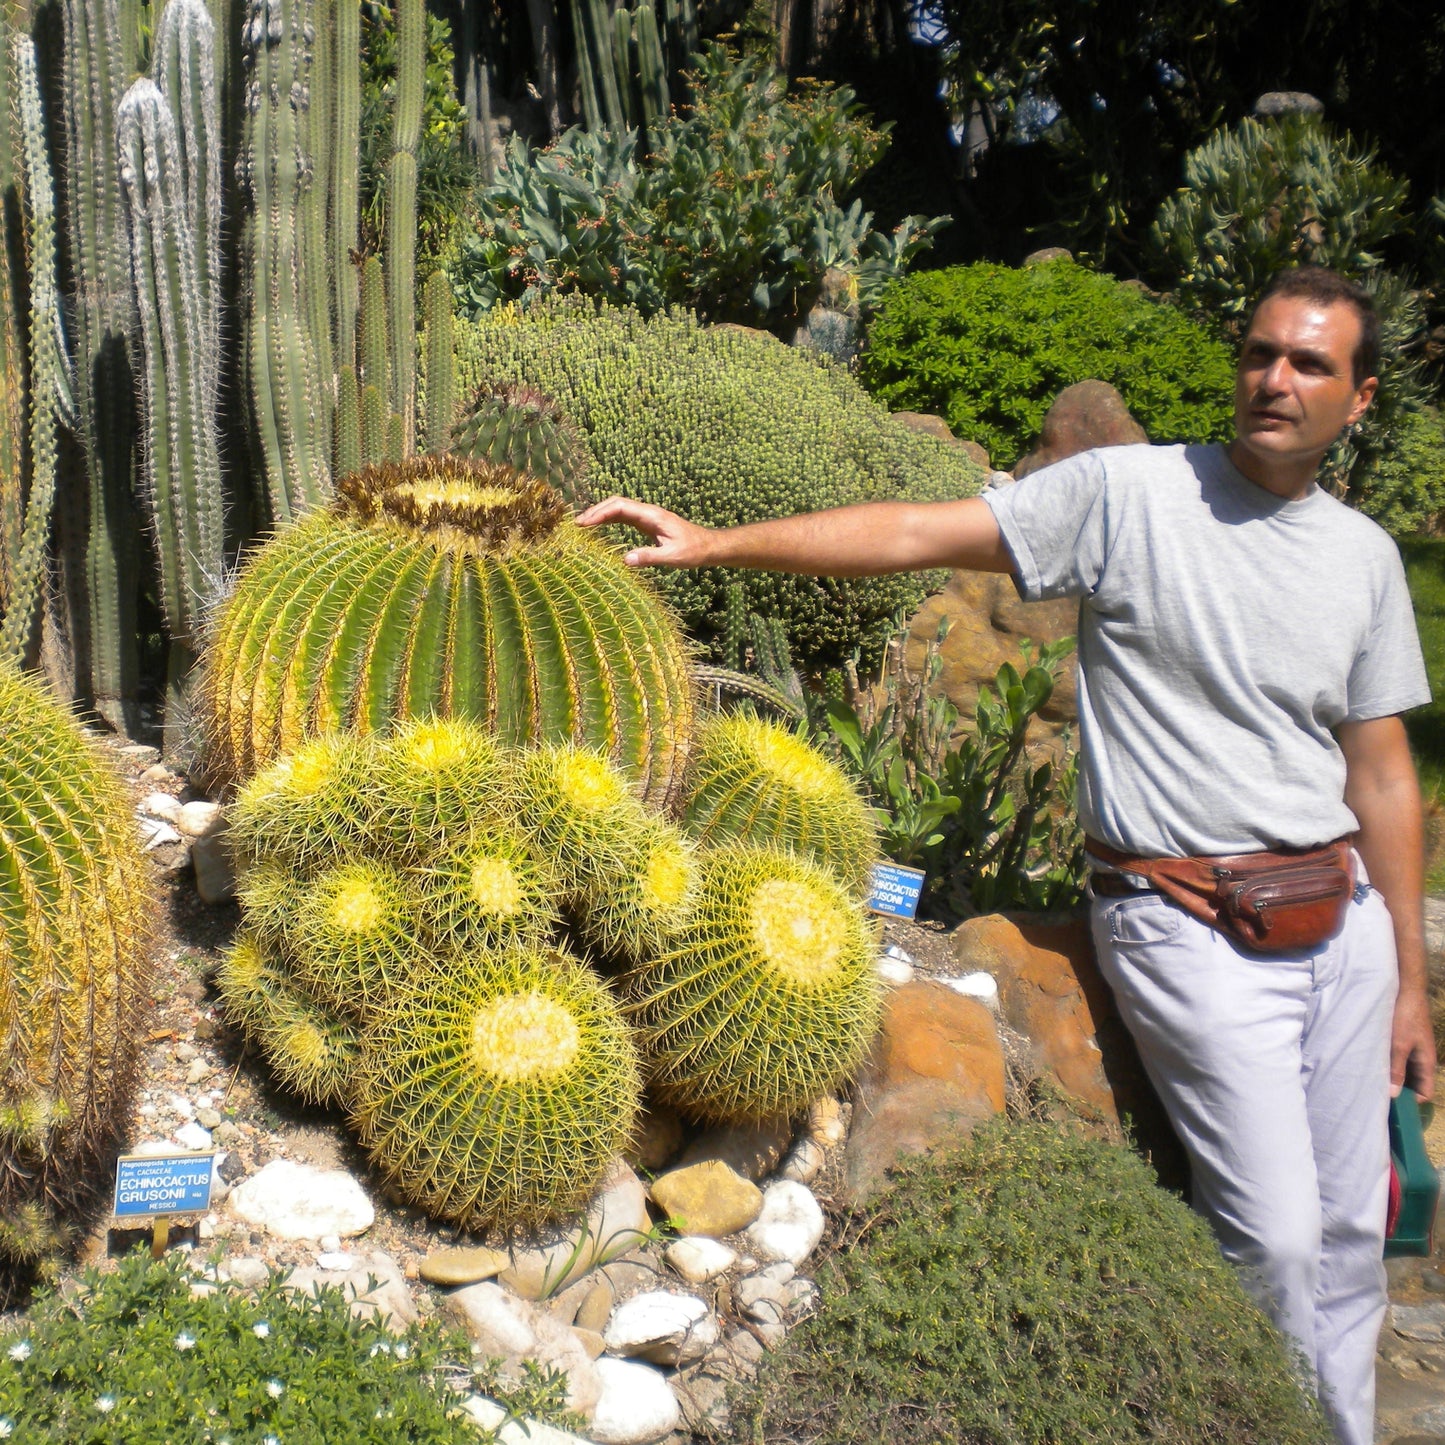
(632, 912)
(524, 428)
(445, 587)
(767, 999)
(752, 780)
(75, 905)
(488, 890)
(500, 1091)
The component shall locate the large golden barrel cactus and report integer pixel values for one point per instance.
(74, 905)
(448, 587)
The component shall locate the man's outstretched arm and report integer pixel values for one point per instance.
(866, 540)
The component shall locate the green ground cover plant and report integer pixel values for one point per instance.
(724, 426)
(136, 1355)
(989, 347)
(1425, 571)
(1035, 1287)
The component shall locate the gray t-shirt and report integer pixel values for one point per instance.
(1223, 633)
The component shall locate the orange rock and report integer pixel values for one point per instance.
(936, 1071)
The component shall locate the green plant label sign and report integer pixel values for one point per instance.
(896, 890)
(163, 1184)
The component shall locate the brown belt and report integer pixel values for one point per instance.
(1268, 902)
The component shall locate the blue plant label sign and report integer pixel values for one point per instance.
(896, 890)
(148, 1185)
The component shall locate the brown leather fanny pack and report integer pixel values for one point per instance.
(1269, 902)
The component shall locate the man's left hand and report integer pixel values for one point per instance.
(1412, 1045)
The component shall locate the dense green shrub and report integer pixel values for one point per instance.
(1404, 487)
(1266, 195)
(1033, 1288)
(740, 206)
(136, 1355)
(725, 426)
(989, 348)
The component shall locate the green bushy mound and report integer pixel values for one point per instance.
(725, 425)
(1033, 1288)
(1404, 489)
(989, 348)
(137, 1355)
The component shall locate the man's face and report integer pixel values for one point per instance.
(1295, 390)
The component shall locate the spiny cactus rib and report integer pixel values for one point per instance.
(757, 782)
(348, 423)
(441, 373)
(499, 1092)
(450, 588)
(346, 182)
(75, 905)
(289, 410)
(182, 455)
(766, 1000)
(400, 293)
(519, 426)
(48, 379)
(312, 1052)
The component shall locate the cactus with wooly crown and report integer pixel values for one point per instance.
(766, 1000)
(751, 780)
(75, 908)
(523, 428)
(498, 1092)
(442, 586)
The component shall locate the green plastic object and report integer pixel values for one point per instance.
(1414, 1229)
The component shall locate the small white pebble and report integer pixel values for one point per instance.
(982, 986)
(330, 1243)
(892, 971)
(337, 1260)
(192, 1136)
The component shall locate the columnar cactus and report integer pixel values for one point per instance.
(289, 397)
(441, 373)
(401, 211)
(767, 999)
(180, 367)
(75, 907)
(452, 588)
(757, 782)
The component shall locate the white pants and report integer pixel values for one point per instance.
(1274, 1069)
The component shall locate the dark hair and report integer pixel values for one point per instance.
(1328, 288)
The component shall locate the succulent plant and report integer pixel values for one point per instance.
(500, 1091)
(75, 910)
(441, 586)
(752, 780)
(312, 1052)
(630, 913)
(526, 429)
(735, 427)
(767, 999)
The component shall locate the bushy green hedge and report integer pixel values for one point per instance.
(1034, 1288)
(989, 348)
(137, 1356)
(1403, 488)
(725, 425)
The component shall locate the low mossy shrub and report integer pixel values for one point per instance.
(988, 348)
(1404, 488)
(1035, 1287)
(137, 1355)
(725, 425)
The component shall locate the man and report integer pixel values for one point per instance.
(1245, 649)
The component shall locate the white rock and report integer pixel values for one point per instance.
(192, 1136)
(297, 1201)
(512, 1330)
(488, 1415)
(182, 1106)
(790, 1225)
(220, 1187)
(206, 1228)
(160, 805)
(154, 832)
(374, 1287)
(215, 869)
(894, 971)
(804, 1162)
(803, 1297)
(148, 1111)
(247, 1271)
(199, 1069)
(636, 1406)
(782, 1271)
(335, 1260)
(199, 819)
(666, 1328)
(698, 1259)
(982, 986)
(151, 1148)
(330, 1243)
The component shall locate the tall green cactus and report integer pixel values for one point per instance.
(286, 386)
(622, 62)
(75, 904)
(401, 210)
(99, 57)
(345, 179)
(12, 338)
(441, 367)
(178, 375)
(455, 588)
(49, 384)
(375, 362)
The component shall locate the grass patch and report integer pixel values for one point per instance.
(1425, 571)
(1034, 1287)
